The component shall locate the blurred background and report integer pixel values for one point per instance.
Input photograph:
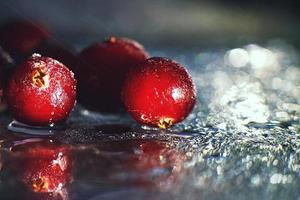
(240, 142)
(173, 23)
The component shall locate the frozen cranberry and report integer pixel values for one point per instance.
(159, 93)
(41, 91)
(103, 70)
(20, 37)
(43, 166)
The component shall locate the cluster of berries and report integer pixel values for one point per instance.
(114, 75)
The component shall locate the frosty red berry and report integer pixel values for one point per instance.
(41, 91)
(159, 93)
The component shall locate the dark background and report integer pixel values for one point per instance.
(175, 23)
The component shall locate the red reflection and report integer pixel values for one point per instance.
(44, 167)
(150, 164)
(157, 163)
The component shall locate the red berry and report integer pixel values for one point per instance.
(159, 93)
(22, 36)
(44, 167)
(41, 91)
(103, 70)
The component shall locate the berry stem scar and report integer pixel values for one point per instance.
(39, 78)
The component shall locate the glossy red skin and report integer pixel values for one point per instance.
(103, 70)
(21, 37)
(34, 104)
(159, 89)
(44, 167)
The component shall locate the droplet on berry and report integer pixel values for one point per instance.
(41, 91)
(159, 93)
(102, 72)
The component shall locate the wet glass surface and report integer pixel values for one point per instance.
(240, 142)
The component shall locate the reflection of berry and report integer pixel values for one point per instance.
(43, 166)
(102, 72)
(41, 91)
(139, 162)
(155, 156)
(159, 93)
(22, 36)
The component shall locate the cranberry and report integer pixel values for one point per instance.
(41, 91)
(22, 36)
(159, 93)
(103, 70)
(43, 166)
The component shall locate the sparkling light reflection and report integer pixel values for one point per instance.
(237, 57)
(252, 84)
(177, 94)
(260, 57)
